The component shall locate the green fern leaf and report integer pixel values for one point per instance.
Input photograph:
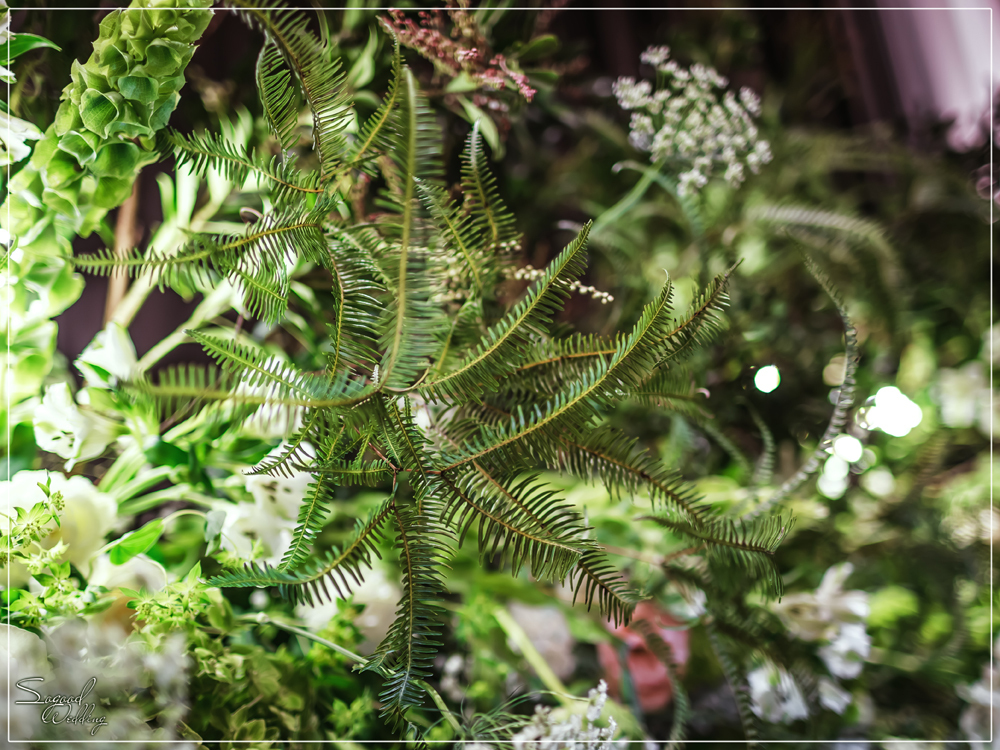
(503, 345)
(277, 95)
(596, 578)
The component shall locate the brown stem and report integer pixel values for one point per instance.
(125, 237)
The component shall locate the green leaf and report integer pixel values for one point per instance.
(138, 88)
(486, 126)
(98, 111)
(21, 43)
(161, 453)
(136, 542)
(213, 525)
(540, 46)
(117, 160)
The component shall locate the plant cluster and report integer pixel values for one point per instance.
(409, 487)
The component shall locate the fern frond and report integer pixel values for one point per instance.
(764, 468)
(596, 578)
(700, 323)
(504, 344)
(408, 649)
(672, 389)
(376, 134)
(487, 209)
(865, 230)
(845, 398)
(317, 69)
(355, 303)
(406, 328)
(190, 386)
(277, 95)
(308, 583)
(457, 237)
(573, 410)
(747, 544)
(254, 260)
(316, 427)
(524, 523)
(355, 473)
(203, 151)
(619, 463)
(741, 691)
(312, 517)
(258, 370)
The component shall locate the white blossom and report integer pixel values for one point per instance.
(110, 355)
(774, 695)
(14, 132)
(655, 56)
(61, 427)
(549, 730)
(846, 653)
(86, 518)
(832, 696)
(817, 615)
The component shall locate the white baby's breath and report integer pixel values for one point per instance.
(691, 124)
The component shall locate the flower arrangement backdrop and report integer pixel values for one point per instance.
(546, 378)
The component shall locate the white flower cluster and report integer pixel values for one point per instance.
(837, 617)
(529, 273)
(576, 732)
(99, 665)
(690, 122)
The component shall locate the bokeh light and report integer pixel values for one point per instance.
(767, 378)
(890, 411)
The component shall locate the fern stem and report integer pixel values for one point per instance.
(262, 619)
(441, 705)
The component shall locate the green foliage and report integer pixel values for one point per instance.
(495, 402)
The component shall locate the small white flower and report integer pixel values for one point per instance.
(655, 56)
(813, 616)
(14, 132)
(774, 695)
(61, 427)
(845, 655)
(110, 355)
(832, 696)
